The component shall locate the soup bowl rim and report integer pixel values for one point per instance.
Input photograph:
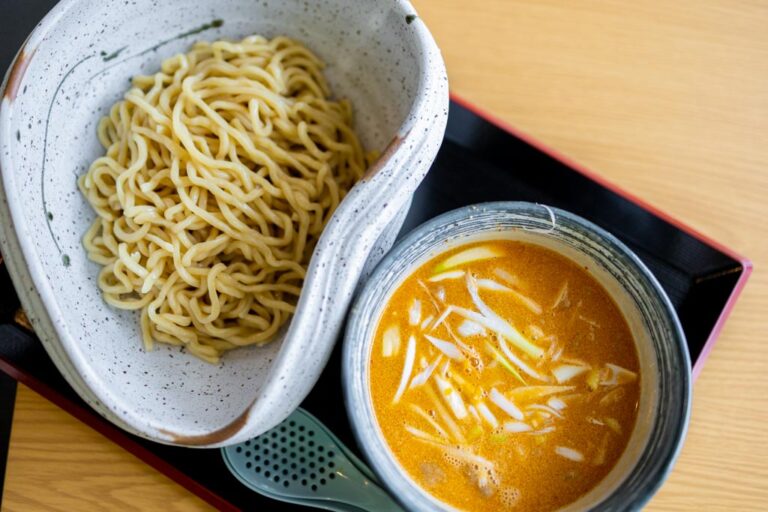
(362, 322)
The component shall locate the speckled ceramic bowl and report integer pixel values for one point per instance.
(664, 406)
(77, 63)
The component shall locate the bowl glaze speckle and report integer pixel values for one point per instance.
(664, 407)
(73, 67)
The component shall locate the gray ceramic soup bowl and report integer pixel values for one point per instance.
(72, 68)
(664, 407)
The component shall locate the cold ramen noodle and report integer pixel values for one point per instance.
(503, 376)
(220, 172)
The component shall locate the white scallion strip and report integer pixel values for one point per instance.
(499, 358)
(469, 328)
(540, 391)
(490, 284)
(441, 294)
(466, 348)
(422, 377)
(575, 361)
(423, 435)
(426, 289)
(429, 419)
(543, 431)
(569, 453)
(519, 362)
(414, 313)
(566, 372)
(490, 324)
(446, 347)
(475, 460)
(452, 397)
(467, 256)
(506, 405)
(529, 303)
(474, 413)
(516, 427)
(451, 274)
(447, 311)
(449, 422)
(410, 355)
(617, 375)
(390, 341)
(427, 322)
(486, 413)
(562, 297)
(544, 408)
(556, 403)
(506, 276)
(498, 324)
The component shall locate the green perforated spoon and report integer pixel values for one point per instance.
(300, 461)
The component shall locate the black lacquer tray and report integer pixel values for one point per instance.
(480, 160)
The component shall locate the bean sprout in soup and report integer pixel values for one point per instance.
(504, 376)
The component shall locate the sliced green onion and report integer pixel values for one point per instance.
(390, 341)
(569, 453)
(618, 375)
(487, 415)
(566, 372)
(422, 377)
(451, 274)
(421, 412)
(519, 362)
(516, 427)
(410, 355)
(414, 313)
(505, 404)
(452, 397)
(506, 276)
(453, 427)
(446, 347)
(500, 325)
(469, 328)
(499, 357)
(423, 435)
(467, 256)
(540, 391)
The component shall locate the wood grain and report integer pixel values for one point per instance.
(668, 100)
(57, 463)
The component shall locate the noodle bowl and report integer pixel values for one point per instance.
(220, 173)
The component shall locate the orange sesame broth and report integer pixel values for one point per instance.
(503, 376)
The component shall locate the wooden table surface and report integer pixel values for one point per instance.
(668, 100)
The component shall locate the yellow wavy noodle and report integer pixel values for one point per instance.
(220, 173)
